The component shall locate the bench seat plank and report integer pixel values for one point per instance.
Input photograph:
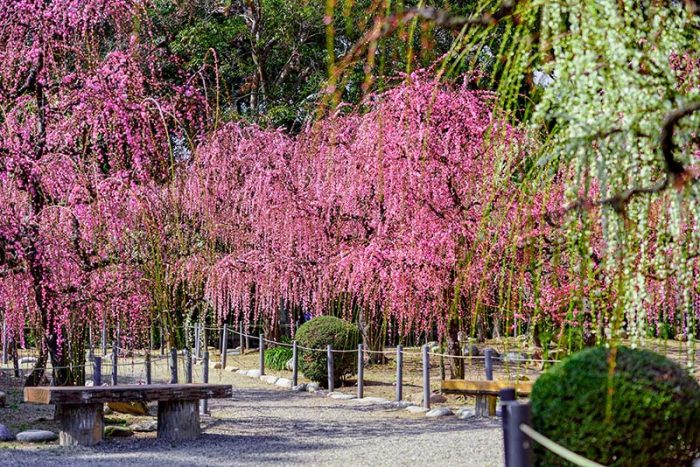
(125, 393)
(462, 386)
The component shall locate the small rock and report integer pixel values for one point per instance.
(313, 387)
(417, 398)
(465, 413)
(215, 366)
(233, 369)
(132, 408)
(284, 383)
(253, 373)
(36, 436)
(416, 409)
(515, 357)
(89, 383)
(440, 412)
(242, 372)
(290, 364)
(5, 433)
(145, 427)
(269, 379)
(473, 351)
(27, 361)
(341, 396)
(114, 431)
(299, 387)
(3, 399)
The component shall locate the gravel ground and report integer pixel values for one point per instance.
(263, 425)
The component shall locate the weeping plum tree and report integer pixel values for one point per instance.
(83, 135)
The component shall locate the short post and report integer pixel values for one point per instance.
(360, 373)
(97, 371)
(295, 364)
(203, 406)
(520, 452)
(242, 340)
(91, 353)
(197, 344)
(4, 342)
(173, 366)
(224, 347)
(426, 377)
(399, 373)
(114, 364)
(488, 363)
(247, 339)
(329, 356)
(261, 349)
(188, 366)
(507, 397)
(147, 363)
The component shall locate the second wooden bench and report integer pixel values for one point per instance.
(486, 392)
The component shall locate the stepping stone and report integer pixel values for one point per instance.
(145, 427)
(465, 413)
(440, 412)
(253, 373)
(341, 396)
(269, 379)
(284, 383)
(5, 433)
(299, 387)
(36, 436)
(313, 387)
(114, 431)
(242, 372)
(416, 409)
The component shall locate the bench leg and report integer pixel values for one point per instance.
(481, 406)
(178, 420)
(81, 424)
(491, 400)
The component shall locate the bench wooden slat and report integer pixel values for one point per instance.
(462, 386)
(125, 393)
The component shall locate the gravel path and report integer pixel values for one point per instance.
(266, 426)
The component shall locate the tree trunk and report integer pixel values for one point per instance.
(454, 348)
(372, 336)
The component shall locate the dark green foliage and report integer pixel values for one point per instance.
(276, 358)
(318, 334)
(654, 416)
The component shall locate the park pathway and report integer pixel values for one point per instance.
(267, 426)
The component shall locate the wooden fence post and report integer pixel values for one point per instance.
(203, 405)
(295, 364)
(399, 373)
(507, 397)
(173, 366)
(197, 341)
(147, 363)
(426, 377)
(115, 360)
(261, 349)
(224, 347)
(97, 371)
(104, 337)
(242, 338)
(329, 356)
(360, 373)
(520, 452)
(488, 368)
(188, 365)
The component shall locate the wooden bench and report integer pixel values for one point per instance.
(80, 408)
(486, 392)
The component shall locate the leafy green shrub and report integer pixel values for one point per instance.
(276, 358)
(654, 416)
(318, 334)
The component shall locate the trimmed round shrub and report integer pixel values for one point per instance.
(318, 333)
(652, 416)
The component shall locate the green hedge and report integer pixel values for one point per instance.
(654, 417)
(318, 333)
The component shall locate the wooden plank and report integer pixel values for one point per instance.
(125, 393)
(462, 386)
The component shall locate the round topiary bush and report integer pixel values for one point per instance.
(654, 416)
(318, 334)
